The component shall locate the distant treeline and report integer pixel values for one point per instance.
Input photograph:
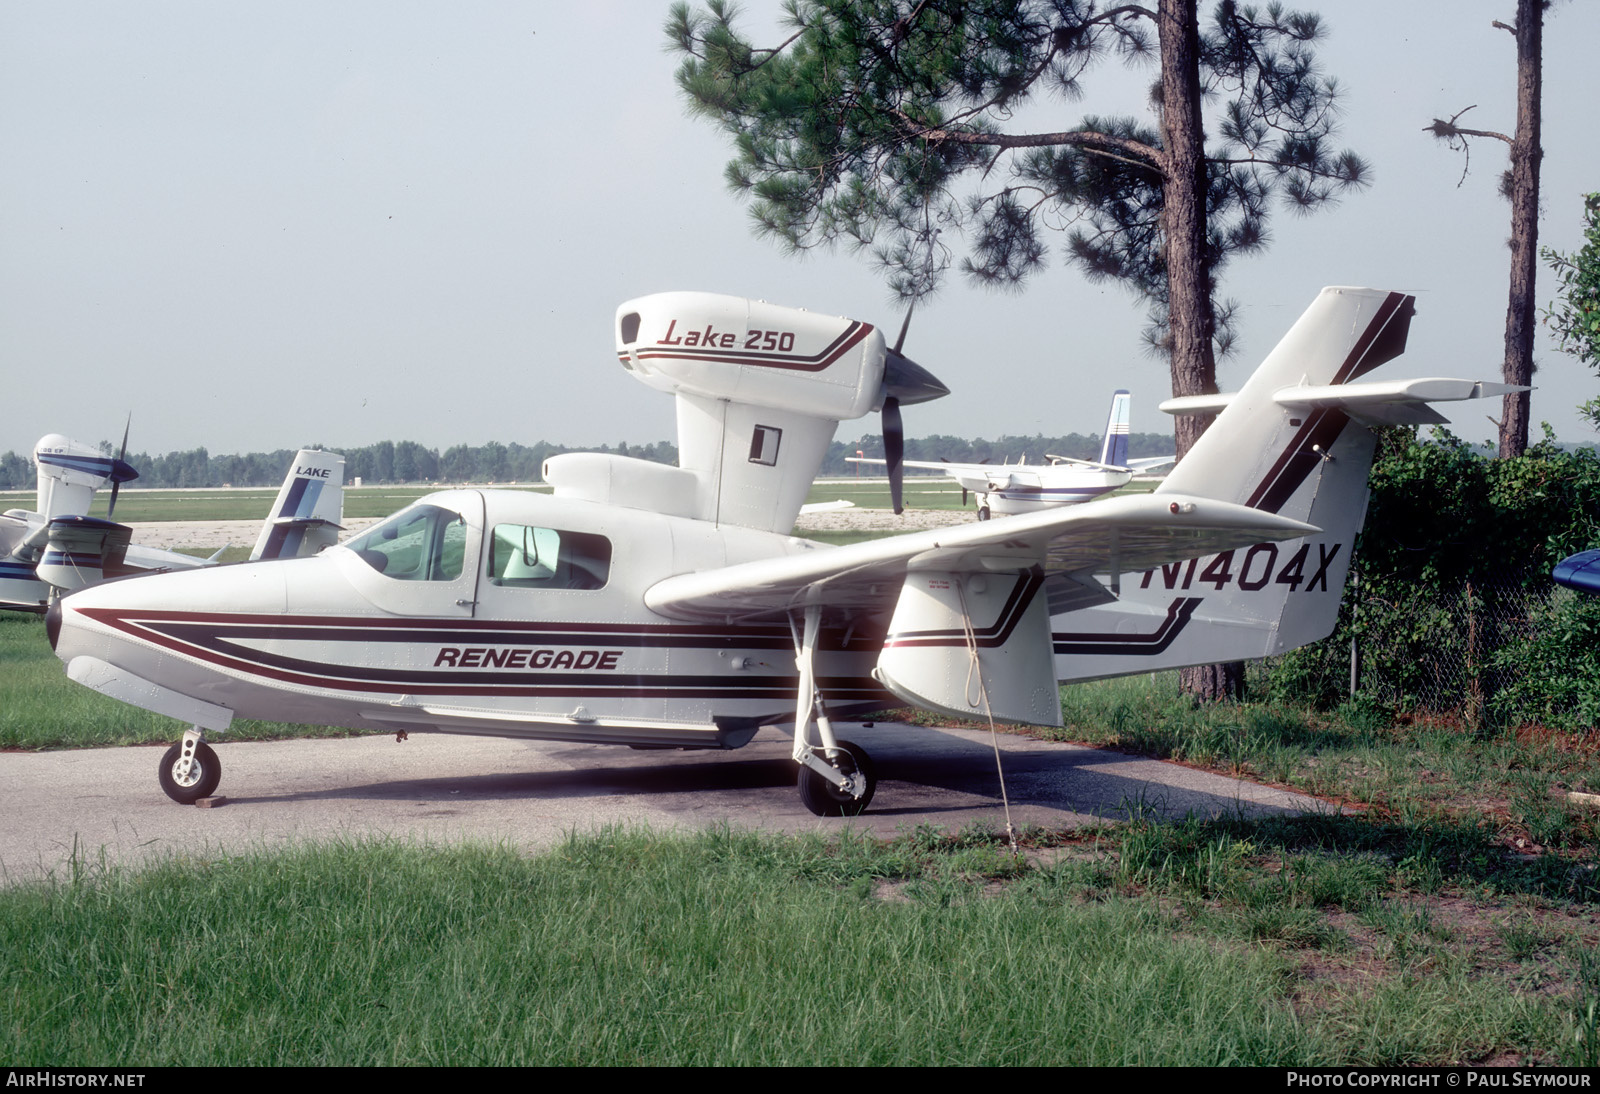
(407, 461)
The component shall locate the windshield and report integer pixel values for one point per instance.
(423, 543)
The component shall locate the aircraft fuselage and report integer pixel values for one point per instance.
(498, 612)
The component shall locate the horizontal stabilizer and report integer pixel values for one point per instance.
(1390, 402)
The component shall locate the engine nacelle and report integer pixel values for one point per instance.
(69, 473)
(752, 352)
(760, 390)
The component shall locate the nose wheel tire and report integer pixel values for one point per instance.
(201, 780)
(827, 800)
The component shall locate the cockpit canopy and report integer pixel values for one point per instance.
(422, 543)
(428, 542)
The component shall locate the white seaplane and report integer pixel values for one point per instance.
(59, 547)
(658, 606)
(1008, 489)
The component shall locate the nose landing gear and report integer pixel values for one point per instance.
(189, 770)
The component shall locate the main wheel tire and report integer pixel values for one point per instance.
(204, 774)
(983, 512)
(826, 800)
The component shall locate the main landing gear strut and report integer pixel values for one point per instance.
(189, 770)
(836, 778)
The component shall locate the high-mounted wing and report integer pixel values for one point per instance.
(972, 476)
(974, 597)
(925, 465)
(1117, 535)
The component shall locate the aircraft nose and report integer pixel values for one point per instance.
(52, 621)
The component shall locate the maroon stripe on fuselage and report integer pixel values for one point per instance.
(816, 362)
(212, 638)
(1136, 645)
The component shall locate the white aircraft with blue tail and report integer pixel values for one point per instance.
(1008, 489)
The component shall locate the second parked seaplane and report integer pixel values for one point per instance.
(1008, 489)
(658, 606)
(58, 547)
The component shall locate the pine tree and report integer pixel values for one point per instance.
(890, 125)
(886, 124)
(1520, 184)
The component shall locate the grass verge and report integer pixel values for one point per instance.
(1188, 944)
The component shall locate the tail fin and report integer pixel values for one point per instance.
(1259, 451)
(1114, 448)
(1293, 441)
(305, 517)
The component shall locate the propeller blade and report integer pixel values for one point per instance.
(120, 471)
(904, 381)
(905, 325)
(894, 450)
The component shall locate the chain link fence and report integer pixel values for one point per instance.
(1511, 647)
(1441, 650)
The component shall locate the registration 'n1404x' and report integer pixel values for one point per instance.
(1251, 570)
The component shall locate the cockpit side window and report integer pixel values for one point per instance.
(424, 543)
(525, 557)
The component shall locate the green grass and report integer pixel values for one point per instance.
(135, 505)
(1146, 946)
(920, 492)
(1508, 786)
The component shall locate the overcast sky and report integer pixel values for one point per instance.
(257, 226)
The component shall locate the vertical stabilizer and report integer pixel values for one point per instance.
(1275, 450)
(1259, 451)
(306, 516)
(1114, 447)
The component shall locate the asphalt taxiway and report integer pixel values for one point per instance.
(105, 805)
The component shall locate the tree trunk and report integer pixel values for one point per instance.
(1525, 155)
(1190, 320)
